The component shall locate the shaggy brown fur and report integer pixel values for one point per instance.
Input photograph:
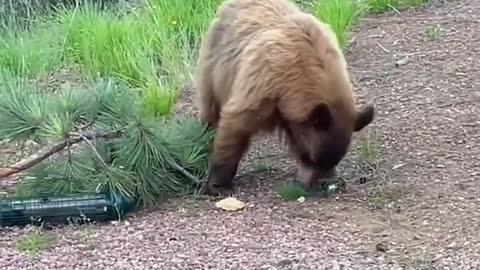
(266, 65)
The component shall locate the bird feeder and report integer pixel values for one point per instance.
(76, 209)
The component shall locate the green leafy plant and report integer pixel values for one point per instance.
(291, 191)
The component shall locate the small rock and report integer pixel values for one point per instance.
(452, 245)
(284, 263)
(401, 62)
(381, 247)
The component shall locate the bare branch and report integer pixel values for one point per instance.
(49, 150)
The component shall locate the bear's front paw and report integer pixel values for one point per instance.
(213, 189)
(220, 180)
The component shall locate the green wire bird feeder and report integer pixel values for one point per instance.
(76, 209)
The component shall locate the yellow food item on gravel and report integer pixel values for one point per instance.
(230, 204)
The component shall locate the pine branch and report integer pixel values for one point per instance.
(85, 139)
(185, 173)
(49, 150)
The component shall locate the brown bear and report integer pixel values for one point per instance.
(265, 65)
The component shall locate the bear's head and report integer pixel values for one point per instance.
(322, 140)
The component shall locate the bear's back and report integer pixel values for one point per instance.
(244, 29)
(279, 48)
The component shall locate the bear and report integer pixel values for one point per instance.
(266, 66)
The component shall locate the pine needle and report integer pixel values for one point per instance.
(151, 158)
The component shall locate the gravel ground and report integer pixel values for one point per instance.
(418, 209)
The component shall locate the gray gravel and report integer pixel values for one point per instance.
(265, 236)
(417, 210)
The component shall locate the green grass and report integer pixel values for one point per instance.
(34, 242)
(368, 147)
(413, 3)
(340, 15)
(379, 6)
(104, 44)
(150, 48)
(382, 198)
(433, 32)
(26, 54)
(153, 50)
(129, 47)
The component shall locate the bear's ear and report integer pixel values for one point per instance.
(364, 117)
(321, 117)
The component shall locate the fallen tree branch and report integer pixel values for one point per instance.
(185, 173)
(49, 150)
